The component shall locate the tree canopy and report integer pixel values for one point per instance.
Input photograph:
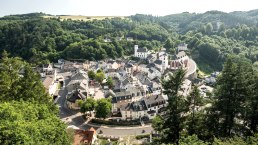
(30, 123)
(28, 115)
(103, 108)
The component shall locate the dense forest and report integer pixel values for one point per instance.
(211, 36)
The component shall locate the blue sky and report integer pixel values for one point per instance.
(122, 7)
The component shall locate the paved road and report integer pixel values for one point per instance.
(192, 67)
(74, 118)
(122, 131)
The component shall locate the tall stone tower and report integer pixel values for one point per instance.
(135, 50)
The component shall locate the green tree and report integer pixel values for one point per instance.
(100, 76)
(176, 109)
(110, 82)
(19, 82)
(169, 44)
(209, 29)
(31, 87)
(88, 105)
(229, 141)
(31, 123)
(232, 92)
(221, 27)
(195, 101)
(157, 122)
(191, 140)
(91, 74)
(252, 109)
(9, 77)
(103, 108)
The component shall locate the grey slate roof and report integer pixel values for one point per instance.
(79, 76)
(142, 50)
(143, 79)
(128, 65)
(77, 95)
(159, 62)
(150, 65)
(120, 96)
(125, 81)
(154, 100)
(134, 106)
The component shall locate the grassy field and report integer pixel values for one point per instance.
(83, 18)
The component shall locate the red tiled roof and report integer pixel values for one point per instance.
(84, 137)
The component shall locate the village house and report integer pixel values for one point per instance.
(156, 88)
(68, 66)
(112, 73)
(153, 73)
(153, 104)
(182, 47)
(163, 57)
(107, 40)
(151, 58)
(179, 60)
(47, 69)
(140, 52)
(129, 39)
(145, 107)
(134, 94)
(112, 64)
(79, 81)
(78, 89)
(73, 97)
(133, 110)
(50, 83)
(129, 68)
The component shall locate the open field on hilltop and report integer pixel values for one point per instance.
(84, 18)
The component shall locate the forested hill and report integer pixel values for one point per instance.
(184, 22)
(212, 36)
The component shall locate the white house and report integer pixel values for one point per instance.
(133, 110)
(163, 56)
(154, 103)
(50, 83)
(129, 39)
(140, 52)
(47, 68)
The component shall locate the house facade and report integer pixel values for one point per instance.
(140, 52)
(50, 83)
(180, 60)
